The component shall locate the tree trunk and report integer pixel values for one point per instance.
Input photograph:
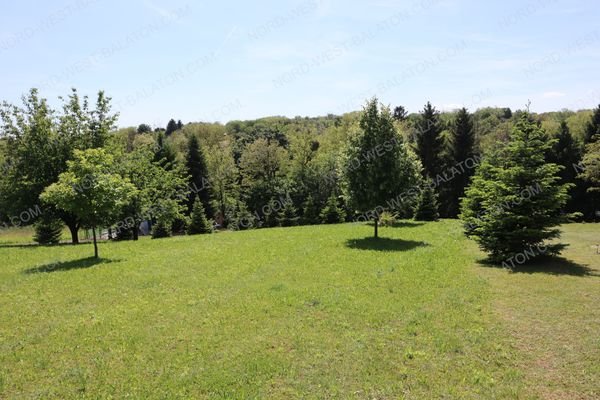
(376, 226)
(95, 244)
(135, 232)
(74, 229)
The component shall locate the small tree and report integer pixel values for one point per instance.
(332, 213)
(513, 204)
(287, 215)
(427, 205)
(90, 190)
(162, 229)
(240, 218)
(311, 212)
(199, 224)
(48, 230)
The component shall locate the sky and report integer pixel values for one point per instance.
(221, 61)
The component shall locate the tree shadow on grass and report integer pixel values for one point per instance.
(547, 265)
(403, 224)
(82, 263)
(383, 244)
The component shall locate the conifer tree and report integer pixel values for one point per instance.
(48, 230)
(199, 224)
(332, 213)
(311, 211)
(171, 127)
(427, 205)
(514, 203)
(287, 215)
(593, 127)
(429, 141)
(198, 171)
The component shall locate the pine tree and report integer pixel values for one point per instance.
(332, 213)
(198, 171)
(179, 125)
(461, 154)
(310, 214)
(240, 218)
(161, 229)
(593, 127)
(48, 230)
(400, 113)
(287, 215)
(513, 206)
(429, 141)
(198, 222)
(164, 154)
(171, 127)
(427, 205)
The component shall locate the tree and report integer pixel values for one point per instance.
(332, 213)
(378, 166)
(310, 211)
(48, 230)
(179, 125)
(591, 165)
(198, 222)
(593, 127)
(164, 152)
(144, 128)
(198, 173)
(171, 127)
(224, 181)
(90, 190)
(288, 215)
(513, 206)
(400, 113)
(460, 152)
(429, 141)
(427, 205)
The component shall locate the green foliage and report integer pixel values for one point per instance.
(48, 230)
(199, 181)
(427, 205)
(287, 216)
(378, 166)
(514, 203)
(332, 213)
(240, 218)
(199, 224)
(162, 229)
(591, 164)
(387, 219)
(592, 129)
(164, 153)
(90, 189)
(429, 141)
(310, 212)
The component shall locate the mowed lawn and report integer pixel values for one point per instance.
(308, 312)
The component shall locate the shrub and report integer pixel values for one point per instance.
(387, 219)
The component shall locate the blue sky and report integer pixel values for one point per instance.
(218, 61)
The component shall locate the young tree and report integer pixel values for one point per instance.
(198, 181)
(199, 224)
(310, 211)
(287, 215)
(224, 182)
(90, 190)
(514, 203)
(332, 213)
(429, 141)
(427, 204)
(461, 151)
(378, 166)
(48, 230)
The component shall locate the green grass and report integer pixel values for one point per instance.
(308, 312)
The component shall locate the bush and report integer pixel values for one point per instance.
(161, 229)
(199, 224)
(387, 219)
(332, 213)
(427, 204)
(48, 230)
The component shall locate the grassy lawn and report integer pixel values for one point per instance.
(307, 312)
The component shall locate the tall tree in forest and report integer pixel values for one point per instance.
(378, 165)
(400, 113)
(593, 127)
(429, 141)
(198, 182)
(171, 127)
(461, 161)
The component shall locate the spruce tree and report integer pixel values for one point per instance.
(164, 154)
(310, 214)
(593, 127)
(48, 230)
(513, 206)
(171, 127)
(198, 171)
(332, 213)
(161, 229)
(427, 205)
(287, 215)
(460, 152)
(198, 222)
(240, 218)
(429, 141)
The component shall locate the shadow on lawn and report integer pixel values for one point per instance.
(82, 263)
(548, 265)
(383, 244)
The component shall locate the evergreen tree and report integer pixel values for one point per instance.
(179, 125)
(332, 213)
(429, 141)
(513, 206)
(378, 167)
(164, 154)
(427, 205)
(48, 230)
(593, 127)
(240, 218)
(400, 113)
(144, 128)
(162, 229)
(171, 127)
(198, 171)
(198, 222)
(461, 150)
(270, 214)
(287, 215)
(310, 214)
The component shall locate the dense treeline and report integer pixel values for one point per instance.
(273, 171)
